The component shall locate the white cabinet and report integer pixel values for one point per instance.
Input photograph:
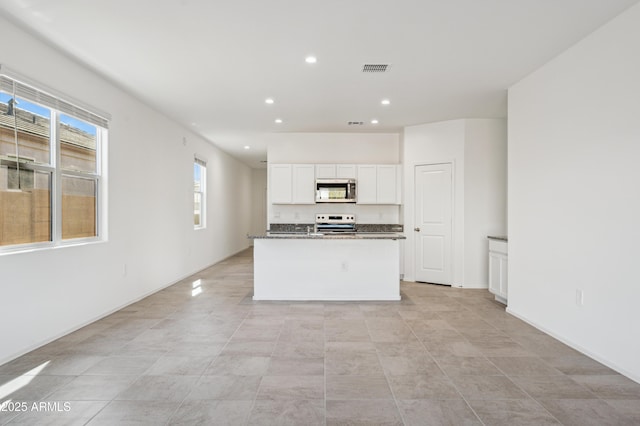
(332, 171)
(346, 171)
(367, 184)
(325, 171)
(280, 182)
(388, 184)
(295, 183)
(378, 184)
(292, 183)
(303, 184)
(498, 262)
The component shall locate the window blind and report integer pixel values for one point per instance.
(29, 92)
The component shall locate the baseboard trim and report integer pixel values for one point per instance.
(111, 311)
(575, 346)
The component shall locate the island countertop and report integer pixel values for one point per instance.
(328, 236)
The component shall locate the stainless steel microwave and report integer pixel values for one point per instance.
(335, 190)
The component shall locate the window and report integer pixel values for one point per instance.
(199, 193)
(50, 171)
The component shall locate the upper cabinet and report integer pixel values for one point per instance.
(304, 184)
(378, 184)
(325, 171)
(346, 171)
(330, 171)
(292, 183)
(388, 184)
(295, 183)
(366, 184)
(280, 181)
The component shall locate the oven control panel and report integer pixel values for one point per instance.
(335, 218)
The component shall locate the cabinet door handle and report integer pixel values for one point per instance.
(416, 229)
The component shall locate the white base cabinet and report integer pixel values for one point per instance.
(326, 269)
(498, 276)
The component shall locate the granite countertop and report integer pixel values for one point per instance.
(378, 231)
(498, 237)
(336, 236)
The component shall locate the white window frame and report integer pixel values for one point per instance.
(60, 104)
(203, 192)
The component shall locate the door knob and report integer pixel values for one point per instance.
(416, 229)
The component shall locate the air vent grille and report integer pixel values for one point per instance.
(375, 67)
(355, 123)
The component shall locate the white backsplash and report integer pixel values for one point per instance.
(306, 213)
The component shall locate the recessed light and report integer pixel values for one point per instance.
(269, 101)
(385, 102)
(278, 120)
(247, 147)
(374, 121)
(311, 59)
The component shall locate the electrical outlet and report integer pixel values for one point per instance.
(579, 297)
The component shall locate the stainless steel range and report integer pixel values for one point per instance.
(335, 223)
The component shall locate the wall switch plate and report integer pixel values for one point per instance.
(579, 297)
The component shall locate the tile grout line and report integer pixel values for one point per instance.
(386, 376)
(445, 373)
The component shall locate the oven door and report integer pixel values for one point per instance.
(335, 228)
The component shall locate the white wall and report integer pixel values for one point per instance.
(333, 148)
(485, 195)
(347, 148)
(47, 293)
(259, 201)
(441, 142)
(574, 203)
(477, 150)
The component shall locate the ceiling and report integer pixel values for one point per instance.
(210, 64)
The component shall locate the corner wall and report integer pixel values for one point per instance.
(477, 150)
(48, 293)
(573, 192)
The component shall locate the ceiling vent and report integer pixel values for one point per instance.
(355, 123)
(375, 67)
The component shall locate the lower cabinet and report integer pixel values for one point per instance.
(498, 261)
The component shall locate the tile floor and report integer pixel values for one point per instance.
(202, 352)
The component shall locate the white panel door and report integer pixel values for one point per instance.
(433, 223)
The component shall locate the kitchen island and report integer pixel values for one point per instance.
(331, 267)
